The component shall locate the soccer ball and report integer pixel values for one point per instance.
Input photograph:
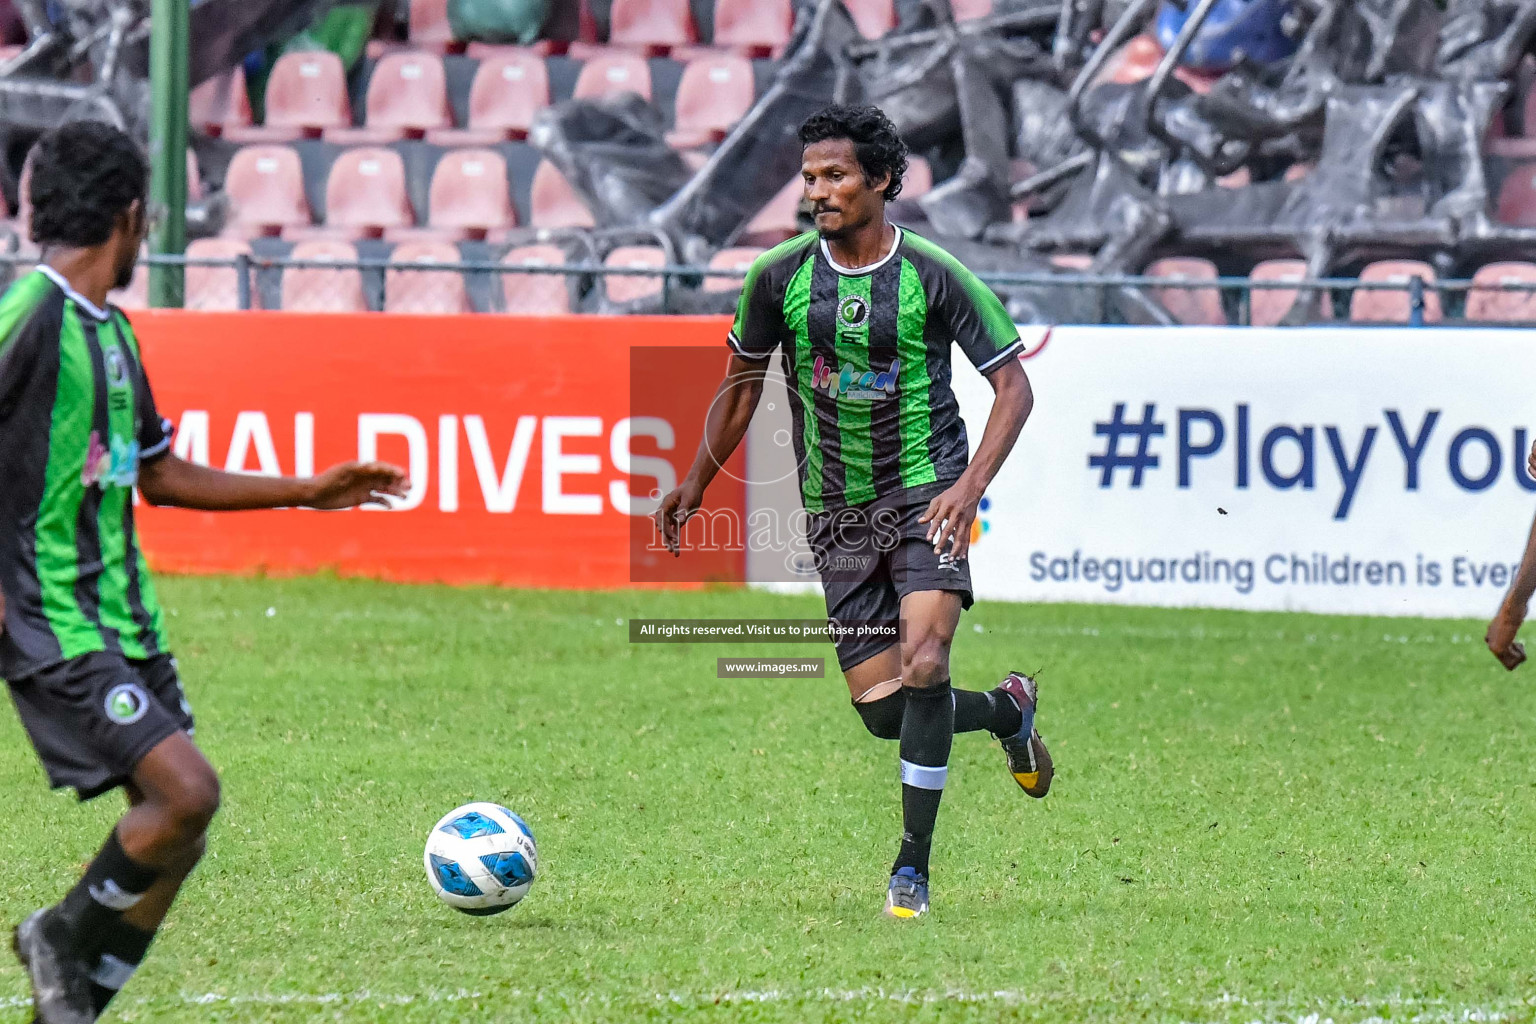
(481, 859)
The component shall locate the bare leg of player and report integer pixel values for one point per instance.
(82, 951)
(173, 797)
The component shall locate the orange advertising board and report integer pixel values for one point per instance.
(530, 453)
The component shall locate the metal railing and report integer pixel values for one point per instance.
(379, 284)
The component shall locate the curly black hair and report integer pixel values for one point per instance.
(875, 141)
(84, 174)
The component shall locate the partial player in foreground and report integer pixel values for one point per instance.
(1506, 624)
(865, 314)
(83, 648)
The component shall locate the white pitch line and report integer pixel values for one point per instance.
(1267, 1011)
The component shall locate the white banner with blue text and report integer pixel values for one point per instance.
(1369, 471)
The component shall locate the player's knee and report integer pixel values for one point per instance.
(882, 717)
(192, 805)
(928, 665)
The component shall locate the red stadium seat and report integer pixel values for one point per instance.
(918, 181)
(1268, 306)
(1188, 305)
(1077, 261)
(1512, 149)
(1528, 105)
(24, 201)
(318, 290)
(653, 24)
(1517, 197)
(407, 96)
(425, 291)
(365, 193)
(712, 95)
(1503, 305)
(1395, 306)
(194, 176)
(754, 25)
(265, 186)
(776, 222)
(1201, 82)
(554, 204)
(621, 288)
(1134, 62)
(739, 258)
(1240, 178)
(874, 17)
(510, 87)
(429, 28)
(611, 74)
(215, 287)
(966, 10)
(535, 294)
(306, 94)
(220, 102)
(469, 193)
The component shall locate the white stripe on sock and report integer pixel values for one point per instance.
(922, 776)
(112, 973)
(111, 895)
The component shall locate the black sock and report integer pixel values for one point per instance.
(112, 883)
(883, 717)
(992, 710)
(122, 950)
(927, 730)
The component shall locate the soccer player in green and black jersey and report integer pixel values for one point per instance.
(83, 648)
(864, 315)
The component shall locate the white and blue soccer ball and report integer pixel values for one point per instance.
(481, 859)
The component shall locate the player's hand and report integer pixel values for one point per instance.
(1501, 637)
(949, 519)
(349, 484)
(675, 510)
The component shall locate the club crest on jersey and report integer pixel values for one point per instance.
(853, 311)
(117, 466)
(853, 383)
(117, 370)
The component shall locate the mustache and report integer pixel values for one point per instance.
(825, 208)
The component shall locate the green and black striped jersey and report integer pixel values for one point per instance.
(866, 357)
(76, 420)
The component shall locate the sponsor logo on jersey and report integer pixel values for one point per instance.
(853, 311)
(126, 703)
(853, 383)
(117, 466)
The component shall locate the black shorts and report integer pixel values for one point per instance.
(871, 556)
(93, 718)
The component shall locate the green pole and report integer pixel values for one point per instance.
(168, 145)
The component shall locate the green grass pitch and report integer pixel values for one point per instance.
(1255, 818)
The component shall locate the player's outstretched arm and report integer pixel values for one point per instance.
(1506, 623)
(171, 480)
(949, 516)
(724, 426)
